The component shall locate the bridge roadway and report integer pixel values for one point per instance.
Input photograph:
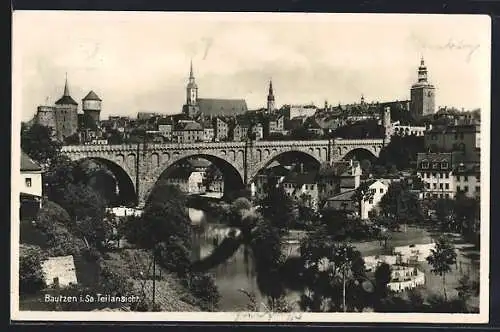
(138, 167)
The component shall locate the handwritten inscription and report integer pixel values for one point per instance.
(452, 45)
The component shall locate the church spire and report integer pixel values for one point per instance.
(191, 75)
(66, 89)
(270, 97)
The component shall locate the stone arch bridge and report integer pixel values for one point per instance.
(139, 166)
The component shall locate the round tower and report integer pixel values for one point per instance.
(91, 106)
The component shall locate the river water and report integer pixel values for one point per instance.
(236, 273)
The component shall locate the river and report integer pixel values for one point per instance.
(236, 273)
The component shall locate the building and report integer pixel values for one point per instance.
(378, 190)
(165, 127)
(195, 106)
(401, 130)
(342, 202)
(241, 129)
(464, 138)
(422, 93)
(338, 177)
(62, 117)
(187, 132)
(258, 131)
(271, 106)
(467, 179)
(144, 116)
(195, 182)
(436, 172)
(302, 187)
(31, 188)
(91, 105)
(221, 128)
(294, 111)
(276, 124)
(208, 131)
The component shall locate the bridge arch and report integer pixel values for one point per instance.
(360, 154)
(127, 194)
(228, 165)
(307, 155)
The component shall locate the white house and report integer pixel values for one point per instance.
(195, 182)
(31, 187)
(59, 270)
(379, 189)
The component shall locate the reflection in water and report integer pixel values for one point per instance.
(234, 274)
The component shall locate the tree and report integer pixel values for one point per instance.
(115, 137)
(31, 277)
(212, 174)
(343, 259)
(382, 278)
(37, 142)
(465, 289)
(87, 210)
(401, 151)
(442, 258)
(58, 176)
(445, 214)
(278, 208)
(165, 228)
(362, 194)
(401, 204)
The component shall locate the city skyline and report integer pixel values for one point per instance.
(108, 54)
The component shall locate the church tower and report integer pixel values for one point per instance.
(270, 98)
(66, 114)
(191, 106)
(422, 94)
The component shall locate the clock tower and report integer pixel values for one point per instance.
(422, 94)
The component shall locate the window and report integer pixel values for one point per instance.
(478, 189)
(441, 175)
(428, 174)
(447, 185)
(466, 178)
(446, 175)
(459, 188)
(466, 188)
(428, 185)
(381, 190)
(458, 177)
(440, 186)
(435, 165)
(425, 164)
(28, 182)
(434, 186)
(444, 165)
(478, 177)
(447, 195)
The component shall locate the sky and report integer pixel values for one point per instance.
(140, 61)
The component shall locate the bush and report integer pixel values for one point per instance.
(31, 278)
(202, 286)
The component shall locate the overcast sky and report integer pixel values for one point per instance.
(140, 61)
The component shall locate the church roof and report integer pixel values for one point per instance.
(92, 96)
(27, 164)
(66, 100)
(217, 107)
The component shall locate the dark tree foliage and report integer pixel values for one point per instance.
(382, 278)
(401, 152)
(203, 287)
(401, 204)
(115, 137)
(58, 176)
(37, 142)
(31, 278)
(278, 208)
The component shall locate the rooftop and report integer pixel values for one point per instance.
(27, 164)
(92, 96)
(228, 107)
